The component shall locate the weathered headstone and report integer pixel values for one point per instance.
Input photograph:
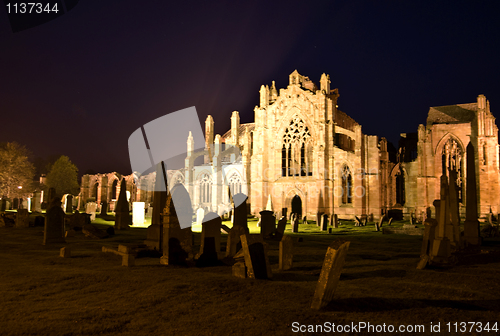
(295, 223)
(138, 214)
(256, 261)
(233, 240)
(390, 222)
(69, 203)
(286, 253)
(335, 220)
(123, 220)
(240, 211)
(128, 260)
(22, 218)
(471, 225)
(91, 209)
(319, 215)
(324, 222)
(154, 235)
(358, 221)
(284, 212)
(379, 224)
(211, 225)
(304, 220)
(441, 247)
(200, 214)
(330, 273)
(54, 224)
(65, 252)
(177, 242)
(280, 230)
(268, 224)
(104, 208)
(209, 257)
(36, 204)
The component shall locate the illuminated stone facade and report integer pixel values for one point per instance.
(304, 154)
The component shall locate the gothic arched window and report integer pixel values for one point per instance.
(451, 158)
(234, 183)
(346, 185)
(400, 187)
(205, 189)
(296, 152)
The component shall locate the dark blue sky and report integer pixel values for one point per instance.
(82, 83)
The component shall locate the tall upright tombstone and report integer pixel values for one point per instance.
(286, 253)
(240, 211)
(324, 222)
(453, 229)
(471, 225)
(330, 273)
(69, 204)
(255, 254)
(295, 223)
(154, 235)
(177, 242)
(123, 220)
(268, 223)
(233, 244)
(22, 218)
(54, 223)
(36, 204)
(441, 247)
(210, 228)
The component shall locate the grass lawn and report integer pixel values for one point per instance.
(91, 293)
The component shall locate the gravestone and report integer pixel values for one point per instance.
(234, 240)
(128, 260)
(472, 238)
(390, 222)
(358, 221)
(91, 209)
(54, 223)
(268, 224)
(284, 212)
(330, 273)
(304, 220)
(154, 235)
(138, 213)
(429, 236)
(149, 211)
(200, 214)
(379, 224)
(94, 232)
(239, 268)
(177, 242)
(286, 253)
(104, 208)
(318, 218)
(209, 257)
(211, 226)
(69, 203)
(123, 220)
(22, 218)
(3, 205)
(295, 223)
(240, 211)
(36, 204)
(65, 252)
(256, 261)
(324, 222)
(280, 230)
(441, 247)
(335, 220)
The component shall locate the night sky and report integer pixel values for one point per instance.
(81, 84)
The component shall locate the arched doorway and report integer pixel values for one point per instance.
(297, 205)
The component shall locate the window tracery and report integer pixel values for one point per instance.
(296, 152)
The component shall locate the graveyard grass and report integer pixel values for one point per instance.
(91, 293)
